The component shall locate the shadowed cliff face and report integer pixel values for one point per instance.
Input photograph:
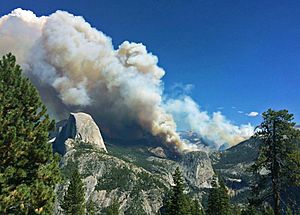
(80, 127)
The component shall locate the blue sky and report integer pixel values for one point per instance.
(239, 55)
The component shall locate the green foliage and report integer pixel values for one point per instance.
(136, 155)
(247, 152)
(289, 211)
(90, 208)
(268, 211)
(116, 178)
(74, 202)
(279, 158)
(147, 181)
(67, 170)
(135, 207)
(28, 168)
(234, 163)
(124, 179)
(177, 202)
(250, 210)
(144, 182)
(113, 209)
(218, 200)
(195, 208)
(236, 210)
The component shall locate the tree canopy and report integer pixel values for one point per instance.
(74, 202)
(277, 167)
(218, 199)
(177, 202)
(28, 168)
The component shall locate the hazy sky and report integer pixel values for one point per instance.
(240, 56)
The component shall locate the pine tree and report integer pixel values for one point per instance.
(74, 202)
(218, 200)
(28, 168)
(177, 202)
(279, 157)
(90, 208)
(195, 208)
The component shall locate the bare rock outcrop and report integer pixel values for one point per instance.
(80, 127)
(197, 169)
(158, 151)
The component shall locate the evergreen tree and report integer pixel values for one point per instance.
(28, 168)
(279, 158)
(195, 208)
(218, 200)
(90, 208)
(236, 210)
(250, 210)
(268, 211)
(289, 211)
(74, 202)
(177, 202)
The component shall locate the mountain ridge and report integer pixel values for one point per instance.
(130, 174)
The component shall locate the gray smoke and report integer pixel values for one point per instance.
(75, 67)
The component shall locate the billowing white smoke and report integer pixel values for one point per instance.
(216, 129)
(75, 67)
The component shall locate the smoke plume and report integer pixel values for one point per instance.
(75, 67)
(216, 129)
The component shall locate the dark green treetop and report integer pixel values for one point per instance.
(74, 202)
(278, 164)
(218, 199)
(113, 209)
(177, 202)
(28, 168)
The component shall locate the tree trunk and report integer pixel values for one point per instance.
(275, 174)
(276, 195)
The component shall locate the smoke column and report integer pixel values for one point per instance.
(75, 67)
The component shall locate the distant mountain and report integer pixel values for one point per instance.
(195, 139)
(233, 165)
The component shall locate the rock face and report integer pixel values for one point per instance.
(158, 151)
(108, 178)
(197, 169)
(233, 165)
(135, 176)
(80, 127)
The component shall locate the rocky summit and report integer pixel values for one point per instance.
(80, 127)
(135, 176)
